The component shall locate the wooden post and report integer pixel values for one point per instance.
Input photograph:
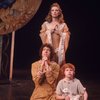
(0, 52)
(12, 56)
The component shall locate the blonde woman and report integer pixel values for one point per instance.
(55, 32)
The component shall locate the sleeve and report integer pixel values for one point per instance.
(81, 89)
(66, 30)
(58, 88)
(34, 71)
(53, 74)
(42, 34)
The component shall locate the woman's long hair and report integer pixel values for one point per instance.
(43, 77)
(60, 17)
(48, 46)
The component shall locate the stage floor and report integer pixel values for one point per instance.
(21, 88)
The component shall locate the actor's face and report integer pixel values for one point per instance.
(55, 12)
(46, 52)
(69, 73)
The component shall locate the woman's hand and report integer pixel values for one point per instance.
(47, 67)
(39, 73)
(67, 98)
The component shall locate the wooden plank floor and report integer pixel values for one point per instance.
(21, 88)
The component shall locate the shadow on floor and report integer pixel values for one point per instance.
(16, 90)
(21, 87)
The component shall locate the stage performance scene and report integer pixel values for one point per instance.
(49, 50)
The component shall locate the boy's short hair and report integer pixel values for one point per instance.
(62, 70)
(68, 65)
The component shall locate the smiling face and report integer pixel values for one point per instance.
(55, 12)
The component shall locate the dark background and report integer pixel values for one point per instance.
(82, 18)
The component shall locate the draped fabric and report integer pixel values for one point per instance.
(59, 41)
(46, 91)
(16, 13)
